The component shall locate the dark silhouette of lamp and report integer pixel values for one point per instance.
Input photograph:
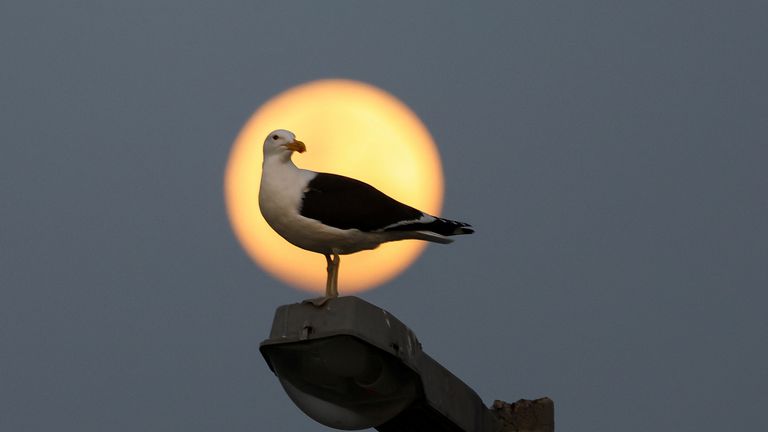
(351, 365)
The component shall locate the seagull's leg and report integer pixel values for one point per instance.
(329, 282)
(332, 283)
(334, 276)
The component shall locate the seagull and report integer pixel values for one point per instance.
(336, 215)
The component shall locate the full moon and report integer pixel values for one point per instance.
(350, 128)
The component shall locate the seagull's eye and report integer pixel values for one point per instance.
(275, 137)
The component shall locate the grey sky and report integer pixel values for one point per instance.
(611, 156)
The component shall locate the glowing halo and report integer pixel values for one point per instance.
(350, 128)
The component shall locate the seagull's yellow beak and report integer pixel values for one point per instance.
(296, 145)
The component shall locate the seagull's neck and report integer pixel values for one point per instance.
(280, 161)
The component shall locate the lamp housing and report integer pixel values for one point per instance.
(351, 365)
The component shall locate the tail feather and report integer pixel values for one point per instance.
(436, 225)
(429, 236)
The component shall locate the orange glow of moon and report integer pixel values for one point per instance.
(350, 128)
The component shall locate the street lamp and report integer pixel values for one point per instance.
(351, 365)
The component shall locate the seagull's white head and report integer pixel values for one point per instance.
(283, 143)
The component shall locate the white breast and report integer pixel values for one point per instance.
(282, 186)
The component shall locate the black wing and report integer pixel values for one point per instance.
(346, 203)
